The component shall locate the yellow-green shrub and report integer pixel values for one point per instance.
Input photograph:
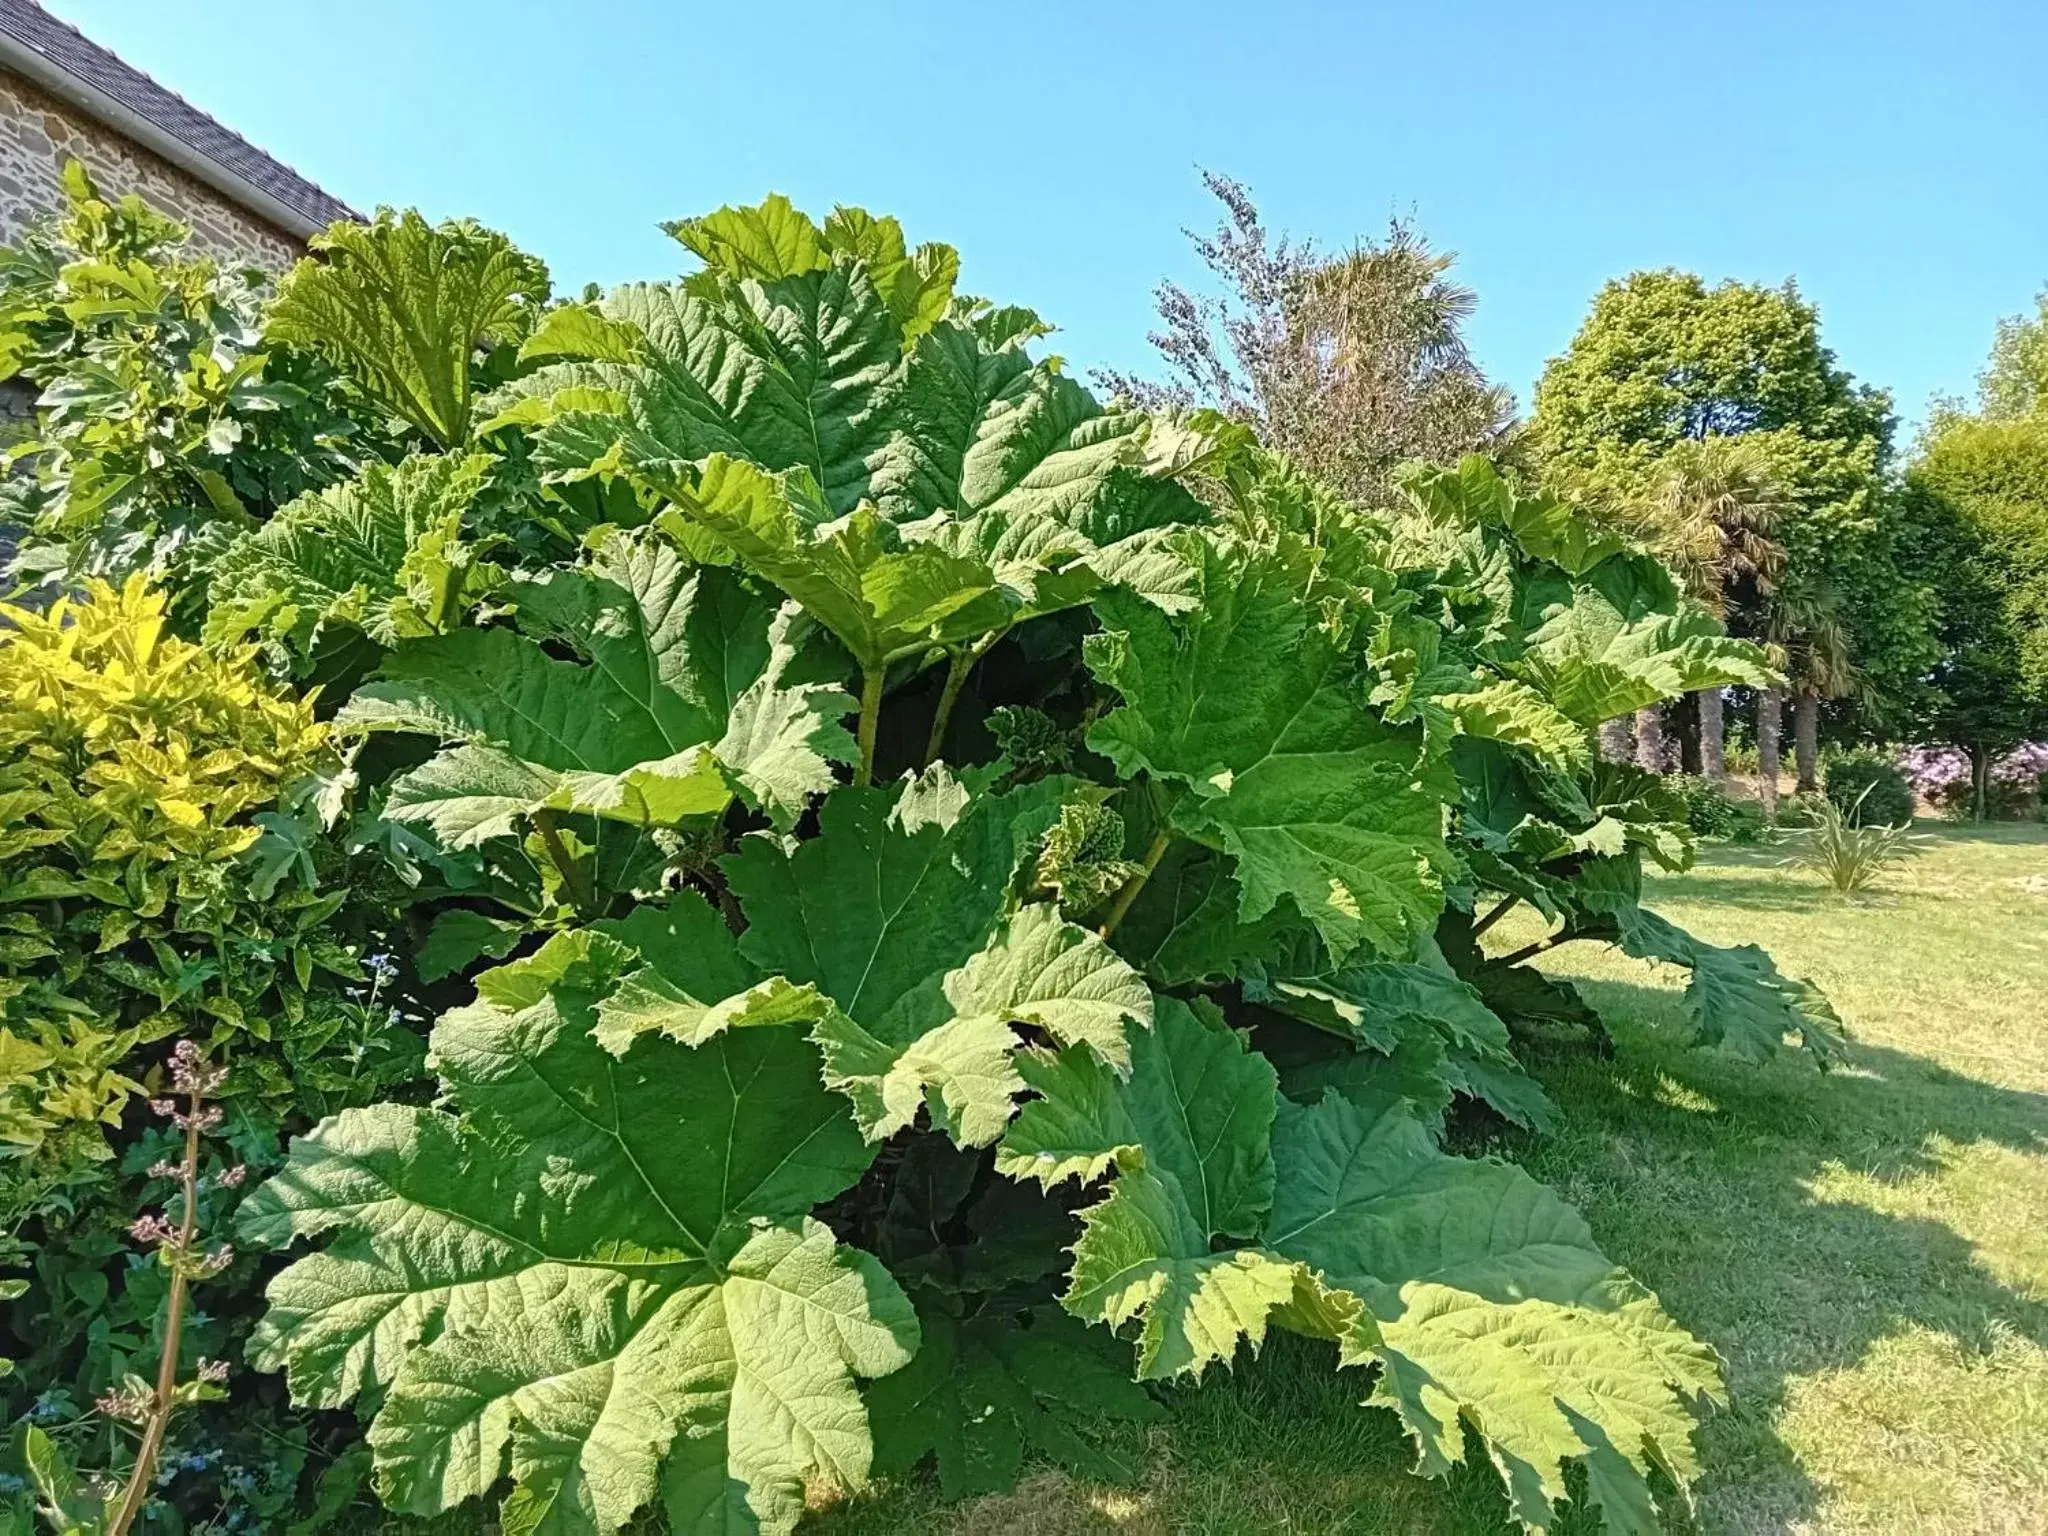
(132, 764)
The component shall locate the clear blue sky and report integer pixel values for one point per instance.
(1892, 155)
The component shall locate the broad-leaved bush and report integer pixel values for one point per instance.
(132, 767)
(161, 417)
(948, 901)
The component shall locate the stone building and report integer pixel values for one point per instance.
(64, 97)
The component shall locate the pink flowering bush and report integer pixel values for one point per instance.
(1941, 777)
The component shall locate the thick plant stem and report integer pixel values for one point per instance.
(1507, 905)
(581, 896)
(957, 673)
(1531, 951)
(143, 1475)
(1135, 884)
(871, 680)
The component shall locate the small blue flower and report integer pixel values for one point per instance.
(10, 1484)
(44, 1411)
(381, 966)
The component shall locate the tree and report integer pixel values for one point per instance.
(1978, 499)
(1714, 514)
(1350, 363)
(1809, 640)
(2015, 382)
(1664, 360)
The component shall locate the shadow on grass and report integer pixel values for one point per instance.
(1755, 893)
(1698, 1174)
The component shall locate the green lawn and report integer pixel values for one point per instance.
(1869, 1249)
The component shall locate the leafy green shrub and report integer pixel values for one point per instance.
(1868, 787)
(145, 892)
(1713, 813)
(160, 419)
(1802, 809)
(1118, 965)
(910, 864)
(133, 766)
(1850, 848)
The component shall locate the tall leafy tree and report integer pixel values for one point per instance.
(2015, 382)
(1664, 360)
(1351, 362)
(1978, 499)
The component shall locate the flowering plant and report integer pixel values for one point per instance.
(1941, 776)
(101, 1504)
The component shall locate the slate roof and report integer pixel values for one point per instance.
(85, 61)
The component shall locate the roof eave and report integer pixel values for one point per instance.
(23, 60)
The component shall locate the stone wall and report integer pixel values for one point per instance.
(38, 134)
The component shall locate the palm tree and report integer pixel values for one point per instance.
(1822, 668)
(1713, 514)
(1805, 638)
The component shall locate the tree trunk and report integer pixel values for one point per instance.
(1770, 710)
(1617, 740)
(1650, 739)
(1806, 740)
(1713, 735)
(1980, 783)
(1683, 722)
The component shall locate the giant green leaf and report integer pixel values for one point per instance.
(1737, 998)
(1188, 1136)
(986, 429)
(1184, 926)
(774, 241)
(402, 305)
(883, 595)
(1595, 626)
(893, 919)
(1036, 971)
(1621, 637)
(1144, 1258)
(600, 1266)
(383, 553)
(1260, 711)
(1539, 819)
(816, 388)
(801, 371)
(1491, 1306)
(689, 981)
(1382, 1006)
(689, 688)
(1547, 528)
(903, 884)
